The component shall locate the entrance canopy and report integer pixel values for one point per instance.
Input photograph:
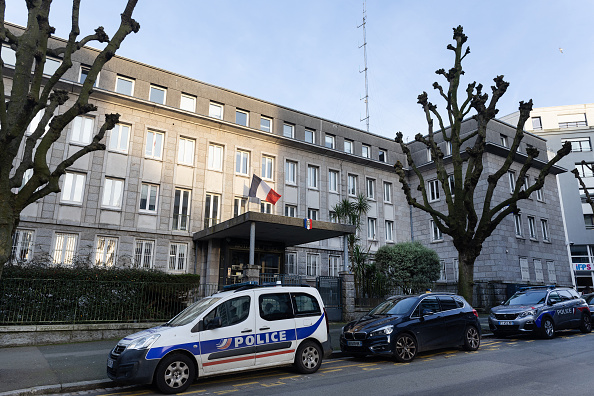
(268, 227)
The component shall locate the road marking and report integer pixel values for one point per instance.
(247, 383)
(291, 376)
(223, 392)
(330, 371)
(189, 393)
(371, 368)
(273, 384)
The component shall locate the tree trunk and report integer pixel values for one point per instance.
(7, 226)
(466, 260)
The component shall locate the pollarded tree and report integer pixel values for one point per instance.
(586, 166)
(32, 93)
(468, 219)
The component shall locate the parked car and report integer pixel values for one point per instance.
(247, 328)
(402, 326)
(590, 301)
(541, 310)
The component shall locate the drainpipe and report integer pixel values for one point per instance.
(345, 254)
(412, 231)
(252, 242)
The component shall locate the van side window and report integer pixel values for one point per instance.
(306, 305)
(429, 304)
(275, 306)
(231, 312)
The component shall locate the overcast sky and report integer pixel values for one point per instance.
(305, 54)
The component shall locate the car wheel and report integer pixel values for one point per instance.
(174, 373)
(547, 328)
(308, 358)
(472, 339)
(405, 348)
(586, 323)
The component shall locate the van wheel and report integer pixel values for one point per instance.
(174, 374)
(547, 328)
(472, 339)
(586, 323)
(308, 358)
(405, 348)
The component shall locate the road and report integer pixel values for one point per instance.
(523, 365)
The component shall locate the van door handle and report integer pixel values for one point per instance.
(247, 331)
(265, 328)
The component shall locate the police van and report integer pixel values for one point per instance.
(250, 327)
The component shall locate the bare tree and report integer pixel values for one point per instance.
(33, 92)
(467, 220)
(576, 173)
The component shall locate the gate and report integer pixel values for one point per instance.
(330, 289)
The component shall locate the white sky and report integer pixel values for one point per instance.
(304, 54)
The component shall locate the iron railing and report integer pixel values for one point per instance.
(44, 301)
(285, 279)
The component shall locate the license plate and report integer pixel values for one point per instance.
(506, 323)
(354, 343)
(110, 362)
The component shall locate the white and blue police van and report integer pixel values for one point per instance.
(250, 327)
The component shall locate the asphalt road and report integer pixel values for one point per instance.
(524, 365)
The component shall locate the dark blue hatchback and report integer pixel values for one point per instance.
(402, 326)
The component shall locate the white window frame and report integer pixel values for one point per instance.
(219, 113)
(154, 150)
(312, 133)
(538, 271)
(247, 117)
(73, 188)
(239, 206)
(289, 130)
(130, 80)
(264, 128)
(187, 102)
(35, 123)
(351, 185)
(544, 227)
(117, 142)
(87, 68)
(518, 225)
(22, 245)
(9, 57)
(387, 192)
(267, 167)
(216, 153)
(348, 146)
(178, 257)
(577, 144)
(442, 271)
(429, 155)
(181, 219)
(365, 151)
(333, 177)
(532, 227)
(434, 193)
(149, 189)
(313, 175)
(330, 141)
(389, 231)
(370, 188)
(82, 131)
(291, 263)
(333, 265)
(511, 175)
(213, 215)
(371, 228)
(242, 162)
(113, 192)
(266, 207)
(551, 272)
(291, 210)
(157, 88)
(141, 262)
(106, 248)
(584, 170)
(185, 152)
(51, 65)
(291, 172)
(312, 264)
(382, 153)
(504, 140)
(313, 214)
(449, 148)
(64, 248)
(436, 234)
(539, 196)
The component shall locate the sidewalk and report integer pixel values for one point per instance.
(36, 370)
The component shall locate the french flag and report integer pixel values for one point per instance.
(308, 223)
(259, 189)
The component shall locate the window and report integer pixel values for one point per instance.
(503, 140)
(118, 138)
(266, 207)
(265, 124)
(585, 170)
(124, 85)
(310, 136)
(267, 167)
(64, 248)
(452, 184)
(26, 177)
(185, 154)
(572, 120)
(524, 269)
(73, 188)
(329, 141)
(512, 181)
(51, 66)
(112, 193)
(538, 273)
(526, 183)
(578, 145)
(313, 214)
(333, 181)
(313, 262)
(215, 157)
(551, 271)
(383, 155)
(442, 272)
(290, 210)
(154, 144)
(8, 55)
(449, 148)
(433, 190)
(436, 234)
(241, 117)
(518, 224)
(187, 102)
(352, 185)
(539, 195)
(242, 160)
(178, 256)
(291, 172)
(289, 130)
(82, 130)
(389, 230)
(22, 243)
(544, 226)
(231, 312)
(148, 197)
(371, 223)
(291, 263)
(143, 254)
(105, 252)
(429, 155)
(370, 188)
(181, 210)
(215, 110)
(387, 192)
(84, 72)
(211, 209)
(239, 206)
(365, 151)
(306, 305)
(157, 94)
(35, 123)
(536, 123)
(348, 146)
(456, 269)
(532, 227)
(312, 176)
(589, 221)
(275, 306)
(332, 217)
(333, 265)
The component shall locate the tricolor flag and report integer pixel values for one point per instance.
(308, 223)
(260, 189)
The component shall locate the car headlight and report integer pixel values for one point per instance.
(530, 312)
(492, 315)
(144, 342)
(382, 331)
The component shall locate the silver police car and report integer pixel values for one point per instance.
(541, 310)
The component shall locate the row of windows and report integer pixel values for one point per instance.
(532, 232)
(65, 246)
(313, 265)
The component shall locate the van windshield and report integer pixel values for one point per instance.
(192, 312)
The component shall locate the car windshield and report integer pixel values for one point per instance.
(396, 306)
(527, 298)
(192, 312)
(590, 299)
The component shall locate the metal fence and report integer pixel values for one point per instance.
(285, 279)
(44, 301)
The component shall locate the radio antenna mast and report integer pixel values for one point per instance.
(364, 45)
